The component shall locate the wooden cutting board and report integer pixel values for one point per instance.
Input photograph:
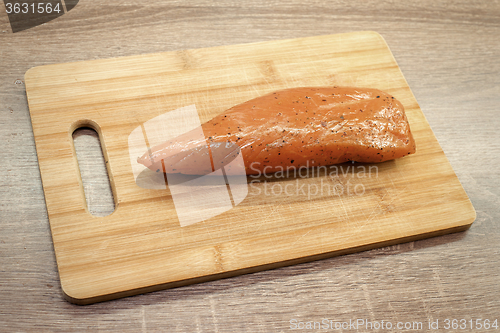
(142, 246)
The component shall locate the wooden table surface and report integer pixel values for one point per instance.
(449, 52)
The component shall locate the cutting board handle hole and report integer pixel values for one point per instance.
(93, 171)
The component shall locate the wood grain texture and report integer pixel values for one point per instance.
(448, 52)
(143, 245)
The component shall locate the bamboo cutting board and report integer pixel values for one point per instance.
(144, 244)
